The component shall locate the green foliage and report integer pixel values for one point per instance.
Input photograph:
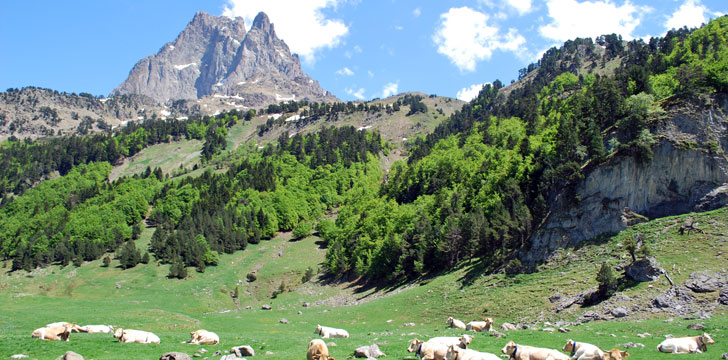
(145, 258)
(302, 230)
(250, 277)
(606, 281)
(129, 256)
(308, 275)
(107, 261)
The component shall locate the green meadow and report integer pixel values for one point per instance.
(143, 298)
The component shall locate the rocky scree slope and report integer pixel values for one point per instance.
(215, 56)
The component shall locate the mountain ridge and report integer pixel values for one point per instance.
(216, 56)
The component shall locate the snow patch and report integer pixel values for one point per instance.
(104, 100)
(274, 116)
(165, 113)
(171, 47)
(404, 139)
(237, 97)
(364, 128)
(218, 84)
(182, 118)
(242, 83)
(140, 117)
(280, 98)
(182, 67)
(291, 135)
(295, 118)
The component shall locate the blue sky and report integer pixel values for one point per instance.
(357, 49)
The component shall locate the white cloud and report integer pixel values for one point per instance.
(399, 28)
(417, 12)
(345, 72)
(571, 18)
(465, 37)
(370, 73)
(469, 93)
(301, 24)
(522, 6)
(359, 94)
(691, 14)
(390, 89)
(355, 50)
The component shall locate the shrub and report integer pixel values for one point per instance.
(308, 275)
(607, 281)
(251, 277)
(302, 230)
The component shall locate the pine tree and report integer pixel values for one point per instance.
(606, 280)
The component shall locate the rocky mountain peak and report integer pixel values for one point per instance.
(216, 56)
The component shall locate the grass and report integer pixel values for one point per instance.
(143, 298)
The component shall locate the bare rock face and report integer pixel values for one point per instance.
(215, 56)
(703, 282)
(624, 190)
(643, 270)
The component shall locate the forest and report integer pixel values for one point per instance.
(474, 189)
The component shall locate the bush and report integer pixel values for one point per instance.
(107, 261)
(308, 275)
(607, 281)
(251, 277)
(302, 230)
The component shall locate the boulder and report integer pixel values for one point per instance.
(646, 269)
(620, 312)
(725, 356)
(371, 351)
(674, 299)
(175, 356)
(632, 345)
(704, 282)
(723, 297)
(243, 350)
(269, 352)
(230, 357)
(498, 334)
(19, 356)
(266, 307)
(306, 304)
(330, 344)
(507, 327)
(409, 324)
(699, 327)
(564, 330)
(589, 316)
(70, 355)
(549, 329)
(283, 321)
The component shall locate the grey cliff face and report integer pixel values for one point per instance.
(215, 56)
(679, 179)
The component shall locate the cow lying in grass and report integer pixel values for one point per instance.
(74, 327)
(582, 351)
(524, 352)
(615, 354)
(329, 332)
(436, 348)
(203, 337)
(685, 345)
(52, 333)
(136, 336)
(317, 350)
(457, 353)
(92, 329)
(485, 325)
(455, 323)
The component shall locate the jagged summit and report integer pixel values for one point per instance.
(216, 56)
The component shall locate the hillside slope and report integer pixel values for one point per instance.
(143, 298)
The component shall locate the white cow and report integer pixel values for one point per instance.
(455, 323)
(203, 337)
(684, 345)
(138, 336)
(92, 329)
(461, 342)
(582, 351)
(329, 332)
(428, 350)
(525, 352)
(485, 325)
(60, 324)
(456, 353)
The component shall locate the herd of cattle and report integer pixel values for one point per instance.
(438, 348)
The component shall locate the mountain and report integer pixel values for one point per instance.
(215, 56)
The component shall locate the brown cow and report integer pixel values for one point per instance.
(52, 333)
(615, 354)
(317, 350)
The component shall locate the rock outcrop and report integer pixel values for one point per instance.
(215, 56)
(689, 164)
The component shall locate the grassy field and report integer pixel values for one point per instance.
(143, 298)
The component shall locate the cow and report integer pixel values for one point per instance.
(93, 329)
(582, 351)
(428, 350)
(684, 345)
(457, 353)
(74, 328)
(485, 325)
(615, 354)
(524, 352)
(317, 350)
(138, 336)
(329, 332)
(462, 341)
(203, 337)
(455, 323)
(61, 333)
